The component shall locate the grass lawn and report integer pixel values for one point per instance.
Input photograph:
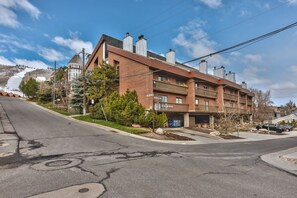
(112, 125)
(50, 106)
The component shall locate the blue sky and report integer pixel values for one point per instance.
(38, 32)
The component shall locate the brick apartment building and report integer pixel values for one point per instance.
(187, 95)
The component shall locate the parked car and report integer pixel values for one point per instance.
(273, 127)
(287, 127)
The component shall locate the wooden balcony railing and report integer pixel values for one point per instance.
(232, 97)
(170, 88)
(205, 93)
(249, 102)
(242, 100)
(203, 108)
(171, 107)
(237, 110)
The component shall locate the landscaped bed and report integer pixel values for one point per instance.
(222, 135)
(166, 136)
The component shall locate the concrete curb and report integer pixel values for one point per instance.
(280, 160)
(109, 129)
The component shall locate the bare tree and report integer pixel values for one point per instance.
(228, 120)
(262, 105)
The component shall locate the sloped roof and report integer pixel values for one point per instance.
(76, 59)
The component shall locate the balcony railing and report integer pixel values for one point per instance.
(242, 100)
(205, 93)
(249, 102)
(171, 107)
(232, 97)
(237, 110)
(204, 108)
(170, 88)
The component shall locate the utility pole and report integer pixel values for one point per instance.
(84, 82)
(54, 85)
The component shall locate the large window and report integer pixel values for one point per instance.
(163, 99)
(178, 100)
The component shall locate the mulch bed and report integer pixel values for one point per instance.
(166, 136)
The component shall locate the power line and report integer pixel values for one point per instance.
(246, 43)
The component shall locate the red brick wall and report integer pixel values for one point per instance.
(134, 76)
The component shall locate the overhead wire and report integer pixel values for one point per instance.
(248, 42)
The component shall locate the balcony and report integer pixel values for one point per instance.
(249, 102)
(232, 97)
(237, 110)
(242, 100)
(170, 88)
(203, 108)
(205, 93)
(171, 107)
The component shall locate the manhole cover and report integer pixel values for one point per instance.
(57, 164)
(83, 190)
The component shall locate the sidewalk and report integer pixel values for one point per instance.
(285, 160)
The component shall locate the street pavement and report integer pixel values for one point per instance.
(61, 157)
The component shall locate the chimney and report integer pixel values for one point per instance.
(170, 56)
(141, 46)
(219, 72)
(128, 42)
(244, 85)
(231, 76)
(203, 67)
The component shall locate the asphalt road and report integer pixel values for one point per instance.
(59, 157)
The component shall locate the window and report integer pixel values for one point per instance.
(205, 87)
(178, 100)
(179, 82)
(196, 85)
(206, 105)
(196, 101)
(162, 78)
(163, 99)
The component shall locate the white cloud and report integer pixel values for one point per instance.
(244, 13)
(253, 58)
(283, 85)
(8, 15)
(285, 89)
(5, 61)
(253, 75)
(212, 3)
(8, 18)
(31, 63)
(74, 44)
(50, 54)
(196, 42)
(10, 41)
(293, 69)
(293, 2)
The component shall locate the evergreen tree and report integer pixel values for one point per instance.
(102, 82)
(29, 88)
(77, 94)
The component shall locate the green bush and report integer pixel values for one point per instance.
(126, 110)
